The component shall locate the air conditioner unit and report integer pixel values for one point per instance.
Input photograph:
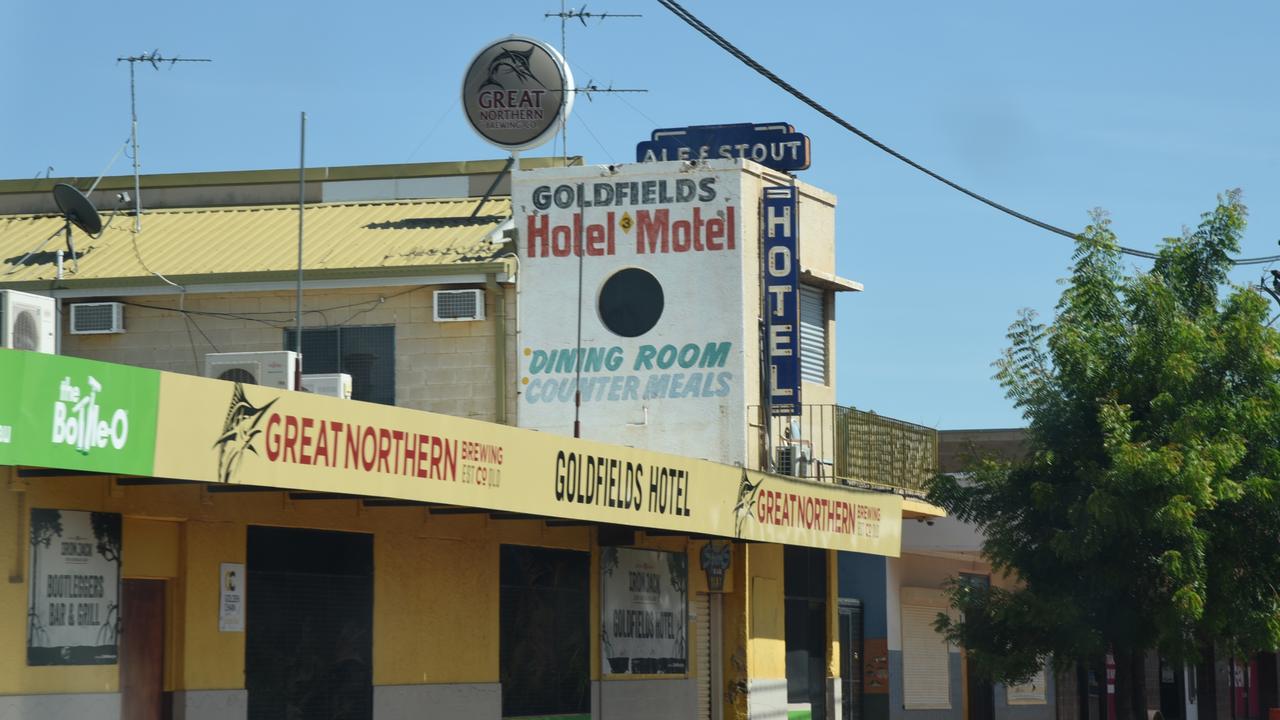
(275, 368)
(458, 305)
(99, 318)
(27, 322)
(331, 384)
(793, 459)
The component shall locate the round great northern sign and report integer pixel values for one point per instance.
(517, 92)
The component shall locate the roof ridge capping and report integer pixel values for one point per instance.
(389, 171)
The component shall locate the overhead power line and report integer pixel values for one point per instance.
(750, 62)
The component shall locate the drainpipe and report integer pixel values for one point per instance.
(499, 348)
(21, 547)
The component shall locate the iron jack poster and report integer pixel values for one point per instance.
(645, 594)
(74, 612)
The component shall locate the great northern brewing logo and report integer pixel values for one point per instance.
(517, 92)
(240, 432)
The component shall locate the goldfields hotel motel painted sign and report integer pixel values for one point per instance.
(774, 145)
(782, 298)
(517, 93)
(661, 362)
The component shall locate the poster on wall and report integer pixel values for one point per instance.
(645, 599)
(74, 613)
(231, 577)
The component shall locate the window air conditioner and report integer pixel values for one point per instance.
(793, 459)
(275, 368)
(458, 305)
(331, 384)
(97, 318)
(27, 322)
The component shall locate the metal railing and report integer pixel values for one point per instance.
(834, 443)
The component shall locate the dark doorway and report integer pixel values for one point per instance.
(142, 650)
(1172, 690)
(851, 659)
(543, 646)
(309, 625)
(805, 590)
(980, 694)
(1268, 690)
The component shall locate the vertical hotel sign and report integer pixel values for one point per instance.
(782, 298)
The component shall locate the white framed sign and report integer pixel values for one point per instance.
(645, 601)
(231, 581)
(73, 615)
(517, 93)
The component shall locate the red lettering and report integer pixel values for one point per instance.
(409, 458)
(715, 231)
(451, 459)
(273, 437)
(353, 446)
(537, 236)
(304, 456)
(384, 449)
(322, 445)
(562, 239)
(423, 452)
(654, 229)
(595, 240)
(436, 453)
(368, 448)
(290, 439)
(681, 236)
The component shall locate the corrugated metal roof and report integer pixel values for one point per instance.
(239, 242)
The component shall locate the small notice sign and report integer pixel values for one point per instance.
(231, 597)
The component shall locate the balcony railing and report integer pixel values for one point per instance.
(833, 443)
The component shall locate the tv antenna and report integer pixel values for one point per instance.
(582, 15)
(155, 59)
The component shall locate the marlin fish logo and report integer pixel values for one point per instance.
(510, 62)
(238, 432)
(746, 505)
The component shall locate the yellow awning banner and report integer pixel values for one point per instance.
(220, 432)
(88, 416)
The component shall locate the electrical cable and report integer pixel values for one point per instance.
(578, 116)
(278, 324)
(747, 60)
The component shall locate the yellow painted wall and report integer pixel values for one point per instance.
(208, 659)
(766, 641)
(436, 583)
(155, 546)
(15, 676)
(734, 634)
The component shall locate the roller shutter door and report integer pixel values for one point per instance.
(701, 610)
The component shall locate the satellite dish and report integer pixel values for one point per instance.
(77, 209)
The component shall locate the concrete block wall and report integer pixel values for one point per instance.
(446, 368)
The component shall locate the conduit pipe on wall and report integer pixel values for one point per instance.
(20, 548)
(500, 343)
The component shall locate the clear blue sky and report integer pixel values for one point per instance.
(1146, 109)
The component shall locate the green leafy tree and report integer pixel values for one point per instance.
(1145, 515)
